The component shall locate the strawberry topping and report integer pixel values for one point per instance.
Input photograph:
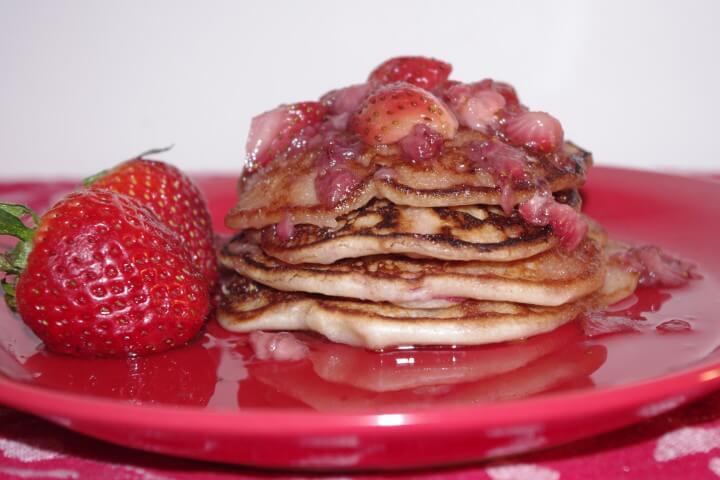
(479, 110)
(422, 72)
(537, 131)
(504, 89)
(346, 100)
(423, 143)
(657, 268)
(506, 164)
(542, 209)
(335, 180)
(285, 228)
(275, 131)
(499, 159)
(597, 324)
(390, 113)
(278, 346)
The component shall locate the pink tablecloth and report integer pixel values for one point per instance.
(680, 444)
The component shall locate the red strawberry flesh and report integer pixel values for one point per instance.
(542, 209)
(391, 112)
(423, 72)
(423, 143)
(345, 100)
(273, 132)
(537, 131)
(657, 268)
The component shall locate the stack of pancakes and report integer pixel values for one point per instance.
(423, 255)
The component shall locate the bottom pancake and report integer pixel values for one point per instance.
(249, 306)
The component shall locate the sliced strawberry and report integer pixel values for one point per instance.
(273, 132)
(505, 163)
(475, 109)
(285, 228)
(277, 346)
(505, 89)
(657, 268)
(346, 100)
(567, 224)
(538, 131)
(335, 180)
(390, 113)
(500, 159)
(423, 143)
(423, 72)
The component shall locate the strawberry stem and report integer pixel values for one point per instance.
(94, 178)
(14, 261)
(153, 151)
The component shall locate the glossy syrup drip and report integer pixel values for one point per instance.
(219, 370)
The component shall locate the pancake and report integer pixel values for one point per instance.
(400, 369)
(570, 365)
(286, 185)
(475, 232)
(248, 306)
(551, 278)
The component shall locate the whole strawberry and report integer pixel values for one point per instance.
(102, 276)
(174, 198)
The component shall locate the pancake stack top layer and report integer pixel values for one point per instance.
(413, 209)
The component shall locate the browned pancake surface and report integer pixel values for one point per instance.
(475, 232)
(553, 277)
(249, 306)
(287, 185)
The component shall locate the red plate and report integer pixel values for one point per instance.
(347, 408)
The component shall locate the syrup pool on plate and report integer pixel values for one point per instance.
(220, 370)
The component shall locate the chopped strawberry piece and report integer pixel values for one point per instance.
(674, 326)
(385, 173)
(537, 131)
(476, 110)
(273, 132)
(542, 209)
(423, 143)
(506, 164)
(599, 323)
(567, 224)
(505, 89)
(422, 72)
(390, 113)
(334, 185)
(285, 228)
(499, 159)
(335, 180)
(279, 346)
(656, 268)
(346, 100)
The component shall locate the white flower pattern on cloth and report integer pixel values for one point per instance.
(686, 441)
(522, 471)
(57, 473)
(24, 452)
(714, 465)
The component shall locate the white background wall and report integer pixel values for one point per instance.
(84, 83)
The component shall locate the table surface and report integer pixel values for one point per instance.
(684, 443)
